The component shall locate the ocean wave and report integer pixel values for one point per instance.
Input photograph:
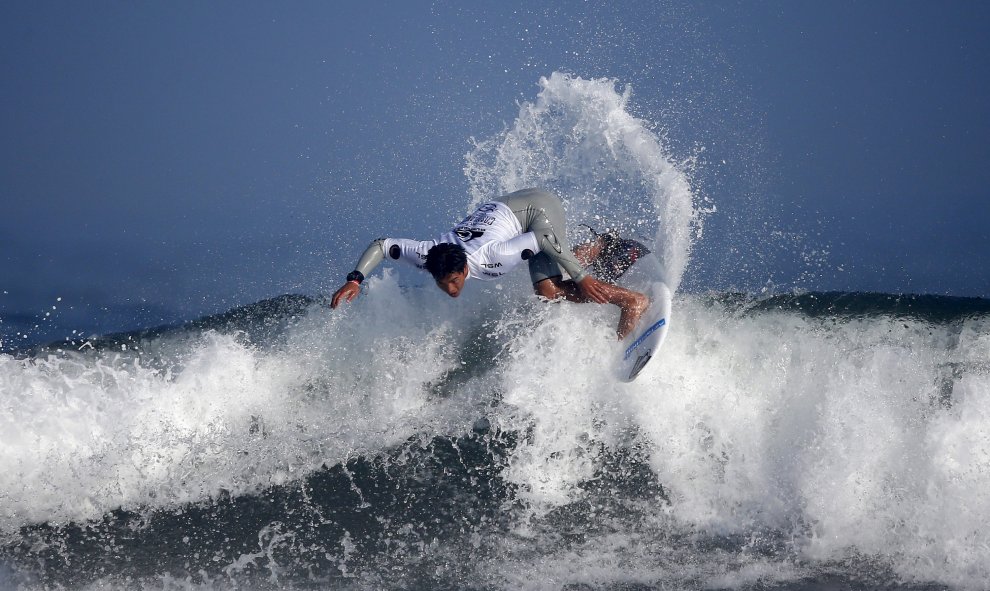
(407, 427)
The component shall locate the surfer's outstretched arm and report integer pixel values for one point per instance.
(373, 255)
(411, 252)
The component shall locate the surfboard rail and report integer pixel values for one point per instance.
(646, 276)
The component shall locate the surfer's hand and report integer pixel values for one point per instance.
(348, 292)
(593, 289)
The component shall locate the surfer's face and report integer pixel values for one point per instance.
(453, 283)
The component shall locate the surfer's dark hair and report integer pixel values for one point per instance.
(444, 259)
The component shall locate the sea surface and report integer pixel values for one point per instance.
(779, 441)
(814, 441)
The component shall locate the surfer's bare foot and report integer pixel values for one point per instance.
(632, 309)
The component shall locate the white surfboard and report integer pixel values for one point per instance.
(643, 343)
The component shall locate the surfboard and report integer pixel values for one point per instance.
(644, 342)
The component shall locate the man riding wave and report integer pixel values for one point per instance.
(527, 225)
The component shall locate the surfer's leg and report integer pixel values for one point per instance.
(527, 204)
(587, 252)
(542, 213)
(631, 304)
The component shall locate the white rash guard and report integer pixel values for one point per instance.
(494, 238)
(491, 237)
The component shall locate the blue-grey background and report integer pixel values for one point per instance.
(161, 161)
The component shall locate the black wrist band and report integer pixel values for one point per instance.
(355, 276)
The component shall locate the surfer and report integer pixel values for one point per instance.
(527, 225)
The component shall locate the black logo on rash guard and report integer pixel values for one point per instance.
(468, 234)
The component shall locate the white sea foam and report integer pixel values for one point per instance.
(85, 434)
(861, 438)
(580, 140)
(837, 435)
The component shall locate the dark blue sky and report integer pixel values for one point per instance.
(159, 161)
